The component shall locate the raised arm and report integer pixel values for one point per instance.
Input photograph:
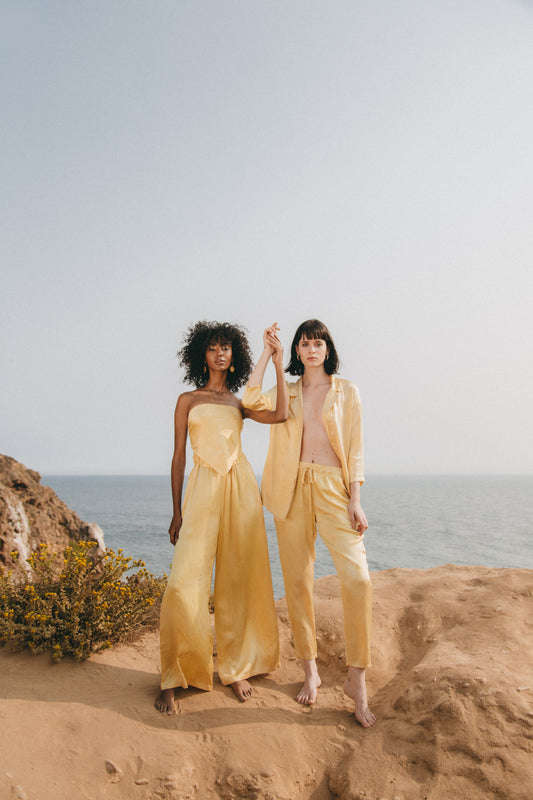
(270, 335)
(272, 349)
(177, 470)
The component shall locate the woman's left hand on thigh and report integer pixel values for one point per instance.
(357, 517)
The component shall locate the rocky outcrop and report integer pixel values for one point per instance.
(31, 514)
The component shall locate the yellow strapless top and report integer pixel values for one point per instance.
(215, 432)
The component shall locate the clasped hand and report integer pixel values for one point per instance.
(272, 342)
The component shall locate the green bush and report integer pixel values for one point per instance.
(76, 604)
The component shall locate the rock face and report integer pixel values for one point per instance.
(31, 514)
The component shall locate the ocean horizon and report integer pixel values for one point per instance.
(415, 521)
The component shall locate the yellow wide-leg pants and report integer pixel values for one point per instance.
(222, 519)
(321, 501)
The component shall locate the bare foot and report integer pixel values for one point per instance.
(166, 702)
(242, 689)
(355, 687)
(309, 691)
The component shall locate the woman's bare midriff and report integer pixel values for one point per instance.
(316, 446)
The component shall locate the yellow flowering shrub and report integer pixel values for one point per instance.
(84, 606)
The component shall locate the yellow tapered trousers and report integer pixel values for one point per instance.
(222, 519)
(321, 501)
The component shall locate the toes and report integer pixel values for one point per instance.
(163, 708)
(166, 703)
(366, 719)
(243, 690)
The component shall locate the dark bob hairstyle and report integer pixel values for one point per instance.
(313, 329)
(197, 340)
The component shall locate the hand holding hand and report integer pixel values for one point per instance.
(277, 352)
(270, 335)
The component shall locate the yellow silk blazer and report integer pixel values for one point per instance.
(342, 418)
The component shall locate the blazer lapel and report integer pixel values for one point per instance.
(330, 400)
(295, 392)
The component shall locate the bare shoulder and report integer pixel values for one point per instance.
(187, 400)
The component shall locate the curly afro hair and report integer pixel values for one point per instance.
(196, 341)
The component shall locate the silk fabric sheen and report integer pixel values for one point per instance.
(342, 418)
(222, 519)
(304, 497)
(321, 501)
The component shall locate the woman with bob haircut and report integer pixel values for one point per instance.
(312, 478)
(222, 519)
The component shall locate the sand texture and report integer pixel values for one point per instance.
(452, 686)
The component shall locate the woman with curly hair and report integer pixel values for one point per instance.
(311, 481)
(222, 519)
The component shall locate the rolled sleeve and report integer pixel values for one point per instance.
(257, 400)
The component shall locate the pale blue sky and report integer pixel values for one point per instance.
(368, 163)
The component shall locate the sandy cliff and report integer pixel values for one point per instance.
(31, 514)
(452, 685)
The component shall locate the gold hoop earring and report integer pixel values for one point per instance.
(205, 367)
(232, 368)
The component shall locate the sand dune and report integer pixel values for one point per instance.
(452, 685)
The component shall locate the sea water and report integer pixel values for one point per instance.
(414, 521)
